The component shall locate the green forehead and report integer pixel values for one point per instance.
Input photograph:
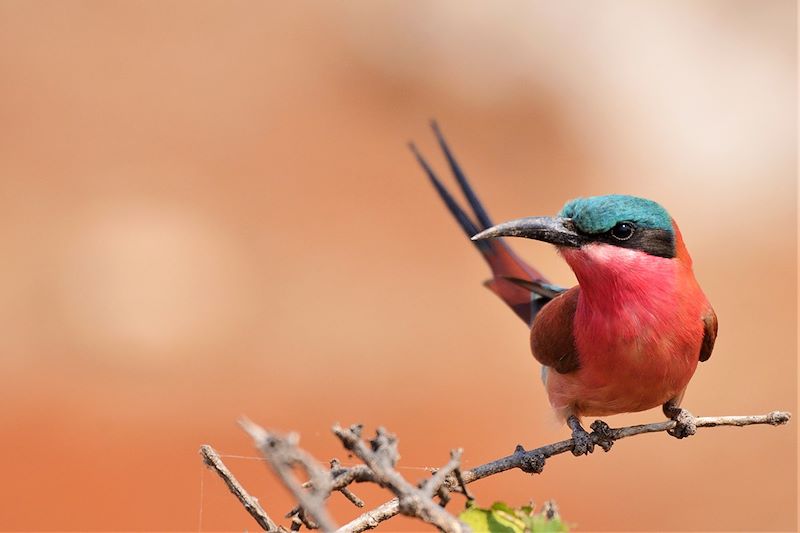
(598, 214)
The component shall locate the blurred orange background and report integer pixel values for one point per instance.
(208, 210)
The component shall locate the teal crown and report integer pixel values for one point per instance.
(598, 214)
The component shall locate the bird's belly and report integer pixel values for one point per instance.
(619, 375)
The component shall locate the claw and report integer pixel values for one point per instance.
(685, 425)
(582, 443)
(685, 422)
(603, 434)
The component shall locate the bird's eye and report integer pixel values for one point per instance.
(623, 231)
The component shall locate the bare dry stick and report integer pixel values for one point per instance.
(532, 461)
(213, 461)
(432, 485)
(282, 453)
(381, 455)
(344, 476)
(347, 493)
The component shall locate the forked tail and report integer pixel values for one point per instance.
(518, 284)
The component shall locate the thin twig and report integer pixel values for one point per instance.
(212, 459)
(336, 467)
(432, 485)
(532, 461)
(463, 486)
(283, 454)
(380, 456)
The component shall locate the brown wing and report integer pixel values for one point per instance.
(552, 340)
(709, 334)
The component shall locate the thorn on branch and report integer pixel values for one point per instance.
(296, 524)
(384, 445)
(550, 509)
(529, 462)
(532, 463)
(302, 516)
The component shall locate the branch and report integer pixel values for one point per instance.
(345, 475)
(283, 454)
(214, 462)
(342, 481)
(432, 485)
(533, 461)
(381, 457)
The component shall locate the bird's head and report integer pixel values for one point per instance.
(611, 227)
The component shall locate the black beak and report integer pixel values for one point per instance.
(555, 230)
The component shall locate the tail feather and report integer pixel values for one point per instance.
(472, 198)
(463, 219)
(513, 280)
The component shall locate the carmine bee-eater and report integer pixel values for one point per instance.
(629, 336)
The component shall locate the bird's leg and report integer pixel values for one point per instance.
(581, 439)
(685, 425)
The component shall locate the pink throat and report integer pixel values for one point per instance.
(617, 280)
(635, 327)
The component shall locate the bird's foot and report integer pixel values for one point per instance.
(603, 434)
(582, 443)
(685, 423)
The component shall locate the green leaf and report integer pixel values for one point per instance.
(502, 518)
(540, 523)
(483, 520)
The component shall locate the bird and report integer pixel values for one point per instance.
(629, 336)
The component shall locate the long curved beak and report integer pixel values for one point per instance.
(555, 230)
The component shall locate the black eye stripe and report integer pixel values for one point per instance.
(654, 241)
